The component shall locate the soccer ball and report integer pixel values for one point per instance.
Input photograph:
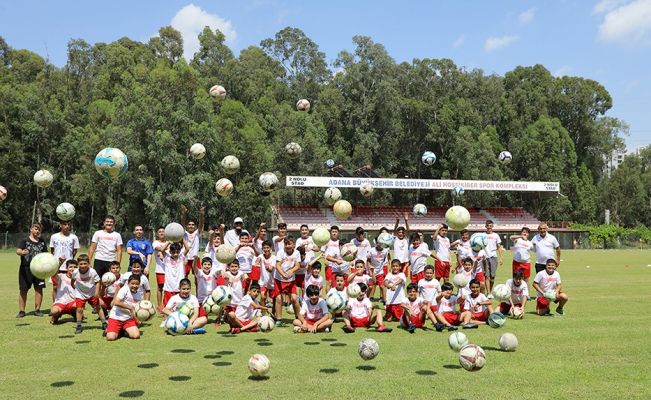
(508, 342)
(366, 190)
(458, 191)
(186, 309)
(65, 211)
(44, 265)
(348, 252)
(303, 105)
(496, 320)
(501, 292)
(266, 323)
(354, 290)
(144, 310)
(289, 308)
(177, 323)
(518, 313)
(428, 158)
(230, 164)
(368, 349)
(293, 150)
(335, 301)
(268, 181)
(3, 193)
(385, 240)
(224, 187)
(457, 217)
(330, 163)
(174, 232)
(460, 280)
(342, 209)
(225, 253)
(420, 210)
(550, 295)
(111, 162)
(332, 195)
(472, 357)
(478, 241)
(259, 364)
(321, 236)
(218, 91)
(43, 178)
(505, 157)
(457, 341)
(222, 295)
(108, 279)
(198, 151)
(210, 307)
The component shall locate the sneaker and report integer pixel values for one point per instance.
(559, 311)
(439, 327)
(411, 328)
(104, 333)
(198, 331)
(452, 328)
(21, 314)
(383, 329)
(470, 326)
(234, 331)
(490, 296)
(79, 329)
(104, 325)
(280, 324)
(348, 329)
(38, 313)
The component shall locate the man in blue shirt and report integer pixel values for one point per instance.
(139, 247)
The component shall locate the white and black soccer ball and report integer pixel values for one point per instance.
(366, 190)
(368, 349)
(472, 357)
(508, 342)
(144, 310)
(332, 195)
(505, 157)
(230, 164)
(108, 278)
(222, 295)
(65, 211)
(259, 365)
(336, 301)
(224, 187)
(210, 307)
(266, 323)
(43, 178)
(268, 181)
(303, 105)
(428, 158)
(293, 150)
(198, 151)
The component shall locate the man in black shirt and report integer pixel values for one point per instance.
(27, 249)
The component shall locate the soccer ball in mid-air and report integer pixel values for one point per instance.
(44, 265)
(496, 320)
(385, 240)
(368, 349)
(335, 301)
(321, 236)
(428, 158)
(111, 162)
(342, 209)
(65, 211)
(348, 252)
(198, 151)
(460, 280)
(501, 292)
(144, 310)
(268, 181)
(222, 295)
(366, 189)
(508, 342)
(43, 178)
(332, 195)
(457, 340)
(218, 91)
(108, 278)
(259, 364)
(420, 210)
(458, 191)
(225, 253)
(177, 323)
(472, 357)
(224, 187)
(230, 164)
(354, 290)
(293, 150)
(266, 323)
(478, 241)
(174, 232)
(303, 105)
(330, 163)
(505, 157)
(3, 193)
(457, 217)
(210, 307)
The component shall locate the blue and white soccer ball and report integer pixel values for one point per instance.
(478, 241)
(336, 302)
(458, 191)
(428, 158)
(111, 162)
(420, 210)
(505, 157)
(177, 323)
(385, 240)
(330, 163)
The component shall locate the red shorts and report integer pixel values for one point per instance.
(167, 296)
(405, 267)
(506, 307)
(480, 277)
(107, 302)
(311, 322)
(328, 274)
(441, 269)
(452, 318)
(254, 275)
(379, 280)
(202, 312)
(283, 288)
(160, 279)
(524, 266)
(418, 320)
(360, 322)
(480, 316)
(394, 310)
(245, 323)
(333, 283)
(415, 278)
(434, 308)
(188, 265)
(229, 308)
(300, 280)
(542, 303)
(81, 303)
(68, 308)
(116, 326)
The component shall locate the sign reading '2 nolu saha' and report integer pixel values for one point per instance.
(421, 184)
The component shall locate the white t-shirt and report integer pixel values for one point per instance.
(521, 249)
(160, 263)
(308, 243)
(401, 249)
(126, 296)
(246, 256)
(278, 246)
(192, 239)
(287, 262)
(311, 280)
(245, 310)
(65, 291)
(429, 289)
(397, 295)
(378, 259)
(363, 248)
(175, 302)
(332, 249)
(360, 309)
(232, 237)
(447, 305)
(414, 306)
(463, 249)
(211, 251)
(64, 246)
(85, 284)
(107, 245)
(314, 312)
(442, 247)
(472, 303)
(547, 282)
(236, 283)
(418, 258)
(206, 283)
(492, 241)
(544, 247)
(144, 283)
(477, 257)
(257, 245)
(113, 288)
(518, 293)
(267, 268)
(174, 272)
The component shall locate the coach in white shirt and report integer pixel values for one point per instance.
(232, 236)
(106, 246)
(545, 245)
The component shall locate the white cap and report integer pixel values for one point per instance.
(238, 219)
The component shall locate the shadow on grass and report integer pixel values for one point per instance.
(182, 351)
(222, 363)
(365, 367)
(261, 340)
(227, 335)
(328, 370)
(66, 336)
(225, 352)
(265, 344)
(311, 343)
(62, 384)
(24, 324)
(148, 365)
(425, 372)
(132, 393)
(212, 356)
(258, 378)
(180, 378)
(328, 339)
(492, 348)
(338, 344)
(82, 341)
(452, 366)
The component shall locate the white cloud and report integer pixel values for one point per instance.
(563, 71)
(458, 42)
(527, 16)
(190, 21)
(607, 5)
(628, 23)
(630, 86)
(494, 43)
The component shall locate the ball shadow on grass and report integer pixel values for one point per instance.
(62, 384)
(227, 335)
(366, 367)
(82, 341)
(24, 324)
(328, 370)
(262, 340)
(132, 393)
(338, 344)
(425, 372)
(66, 336)
(222, 363)
(212, 356)
(148, 365)
(265, 344)
(328, 339)
(182, 351)
(311, 343)
(225, 352)
(492, 348)
(180, 378)
(258, 378)
(452, 366)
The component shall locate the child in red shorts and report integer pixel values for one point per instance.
(521, 247)
(122, 314)
(108, 292)
(477, 307)
(546, 282)
(64, 302)
(198, 316)
(446, 313)
(245, 317)
(519, 294)
(394, 282)
(359, 313)
(314, 315)
(415, 310)
(87, 285)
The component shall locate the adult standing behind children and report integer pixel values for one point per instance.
(232, 236)
(28, 249)
(105, 246)
(545, 245)
(140, 248)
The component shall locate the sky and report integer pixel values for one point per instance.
(605, 40)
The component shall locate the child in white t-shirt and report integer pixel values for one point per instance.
(266, 263)
(360, 275)
(206, 278)
(521, 257)
(64, 301)
(446, 303)
(198, 316)
(415, 310)
(87, 287)
(359, 313)
(549, 281)
(314, 315)
(246, 316)
(394, 282)
(428, 288)
(377, 268)
(477, 307)
(519, 294)
(122, 314)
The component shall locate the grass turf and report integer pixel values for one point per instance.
(599, 349)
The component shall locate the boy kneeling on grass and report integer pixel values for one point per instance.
(122, 314)
(314, 316)
(245, 317)
(360, 314)
(549, 281)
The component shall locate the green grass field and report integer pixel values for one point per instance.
(601, 349)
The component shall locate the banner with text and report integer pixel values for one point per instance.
(422, 184)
